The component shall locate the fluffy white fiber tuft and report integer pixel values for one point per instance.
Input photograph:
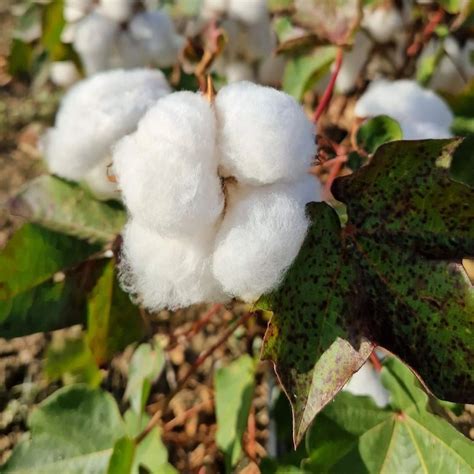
(95, 114)
(117, 10)
(167, 169)
(279, 142)
(260, 236)
(383, 22)
(420, 112)
(63, 73)
(166, 272)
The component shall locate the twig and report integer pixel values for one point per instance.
(250, 445)
(155, 419)
(325, 99)
(187, 414)
(375, 361)
(428, 31)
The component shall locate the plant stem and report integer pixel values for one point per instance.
(325, 99)
(155, 419)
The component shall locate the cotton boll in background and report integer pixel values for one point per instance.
(239, 71)
(408, 103)
(94, 40)
(74, 10)
(383, 23)
(167, 169)
(117, 10)
(260, 236)
(366, 381)
(156, 35)
(95, 114)
(271, 70)
(279, 142)
(248, 11)
(353, 62)
(63, 73)
(166, 272)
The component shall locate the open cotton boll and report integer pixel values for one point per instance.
(157, 35)
(74, 10)
(167, 169)
(367, 382)
(94, 40)
(68, 33)
(259, 238)
(130, 53)
(258, 41)
(264, 135)
(383, 23)
(271, 70)
(166, 272)
(405, 101)
(98, 183)
(117, 10)
(63, 73)
(236, 71)
(353, 62)
(423, 130)
(95, 114)
(248, 11)
(213, 8)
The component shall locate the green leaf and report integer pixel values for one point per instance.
(377, 131)
(452, 6)
(121, 461)
(20, 58)
(152, 454)
(302, 72)
(71, 361)
(66, 207)
(314, 350)
(41, 285)
(353, 435)
(113, 321)
(146, 366)
(74, 431)
(462, 166)
(234, 387)
(391, 277)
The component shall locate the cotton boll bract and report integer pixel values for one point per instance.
(94, 39)
(94, 114)
(260, 236)
(408, 103)
(166, 272)
(264, 135)
(167, 169)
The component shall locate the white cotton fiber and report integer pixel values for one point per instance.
(167, 169)
(94, 40)
(156, 34)
(117, 10)
(166, 272)
(383, 23)
(98, 183)
(408, 103)
(95, 114)
(237, 71)
(74, 10)
(260, 236)
(248, 11)
(353, 62)
(264, 135)
(63, 73)
(367, 382)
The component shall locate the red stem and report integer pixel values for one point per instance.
(375, 361)
(325, 99)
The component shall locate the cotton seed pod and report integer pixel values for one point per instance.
(63, 73)
(117, 10)
(167, 272)
(95, 114)
(279, 142)
(167, 169)
(259, 238)
(419, 111)
(156, 34)
(383, 23)
(95, 54)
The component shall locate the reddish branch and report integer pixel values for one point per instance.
(155, 419)
(326, 98)
(375, 361)
(426, 34)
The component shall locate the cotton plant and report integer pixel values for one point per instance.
(120, 34)
(455, 69)
(380, 25)
(248, 54)
(216, 193)
(421, 113)
(94, 114)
